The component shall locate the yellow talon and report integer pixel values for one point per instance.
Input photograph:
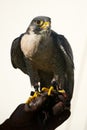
(32, 97)
(61, 91)
(45, 89)
(50, 90)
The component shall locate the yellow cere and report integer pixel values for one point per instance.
(45, 25)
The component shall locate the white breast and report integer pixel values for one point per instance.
(29, 44)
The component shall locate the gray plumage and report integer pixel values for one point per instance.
(44, 55)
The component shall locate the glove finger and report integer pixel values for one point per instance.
(37, 103)
(57, 120)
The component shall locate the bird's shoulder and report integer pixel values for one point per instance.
(62, 43)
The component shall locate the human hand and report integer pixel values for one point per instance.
(48, 112)
(42, 113)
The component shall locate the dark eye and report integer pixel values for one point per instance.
(39, 22)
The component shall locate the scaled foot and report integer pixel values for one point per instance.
(48, 90)
(35, 94)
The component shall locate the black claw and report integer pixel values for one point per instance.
(54, 84)
(36, 87)
(32, 93)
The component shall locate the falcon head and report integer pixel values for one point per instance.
(40, 25)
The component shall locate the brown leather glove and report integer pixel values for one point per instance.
(42, 113)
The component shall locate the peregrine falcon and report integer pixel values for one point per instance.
(45, 56)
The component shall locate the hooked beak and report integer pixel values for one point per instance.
(46, 25)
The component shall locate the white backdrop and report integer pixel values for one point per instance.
(69, 17)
